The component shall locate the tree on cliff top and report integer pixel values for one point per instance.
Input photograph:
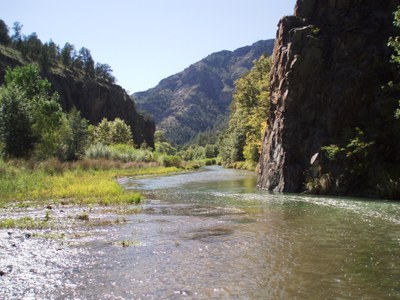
(4, 37)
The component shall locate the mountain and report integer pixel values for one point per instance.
(331, 125)
(95, 99)
(198, 98)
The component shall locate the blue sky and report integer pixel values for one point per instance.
(145, 41)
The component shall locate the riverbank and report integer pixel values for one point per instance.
(85, 183)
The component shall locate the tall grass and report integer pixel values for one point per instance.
(84, 182)
(121, 152)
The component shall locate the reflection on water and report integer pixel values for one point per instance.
(213, 235)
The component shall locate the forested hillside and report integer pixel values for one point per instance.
(80, 82)
(198, 99)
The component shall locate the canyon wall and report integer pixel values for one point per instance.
(330, 64)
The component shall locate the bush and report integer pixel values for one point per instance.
(170, 161)
(98, 151)
(121, 152)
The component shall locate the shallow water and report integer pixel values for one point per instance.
(211, 234)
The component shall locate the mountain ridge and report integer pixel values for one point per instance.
(199, 97)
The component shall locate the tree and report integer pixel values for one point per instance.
(39, 111)
(67, 54)
(32, 46)
(113, 132)
(103, 132)
(243, 137)
(16, 132)
(121, 133)
(75, 136)
(17, 37)
(104, 72)
(48, 55)
(4, 37)
(211, 151)
(87, 62)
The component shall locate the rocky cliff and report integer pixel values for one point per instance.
(330, 119)
(199, 97)
(95, 99)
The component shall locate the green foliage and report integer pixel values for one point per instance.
(75, 136)
(121, 133)
(49, 55)
(67, 54)
(357, 149)
(121, 152)
(165, 148)
(98, 151)
(30, 115)
(332, 151)
(243, 137)
(210, 151)
(87, 62)
(16, 130)
(113, 132)
(4, 37)
(170, 161)
(345, 165)
(104, 72)
(23, 223)
(394, 42)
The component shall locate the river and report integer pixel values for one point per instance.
(213, 235)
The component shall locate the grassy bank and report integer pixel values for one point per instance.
(81, 183)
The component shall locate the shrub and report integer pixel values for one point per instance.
(170, 161)
(98, 151)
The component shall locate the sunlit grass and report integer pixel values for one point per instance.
(24, 223)
(70, 184)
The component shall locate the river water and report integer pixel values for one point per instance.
(212, 235)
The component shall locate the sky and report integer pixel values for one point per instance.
(145, 41)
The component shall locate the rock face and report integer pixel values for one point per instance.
(330, 61)
(96, 100)
(199, 97)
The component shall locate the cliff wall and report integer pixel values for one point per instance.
(330, 63)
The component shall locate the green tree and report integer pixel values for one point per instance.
(4, 37)
(32, 46)
(16, 132)
(243, 137)
(17, 36)
(104, 72)
(75, 136)
(113, 132)
(210, 151)
(121, 133)
(40, 106)
(87, 62)
(67, 54)
(103, 132)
